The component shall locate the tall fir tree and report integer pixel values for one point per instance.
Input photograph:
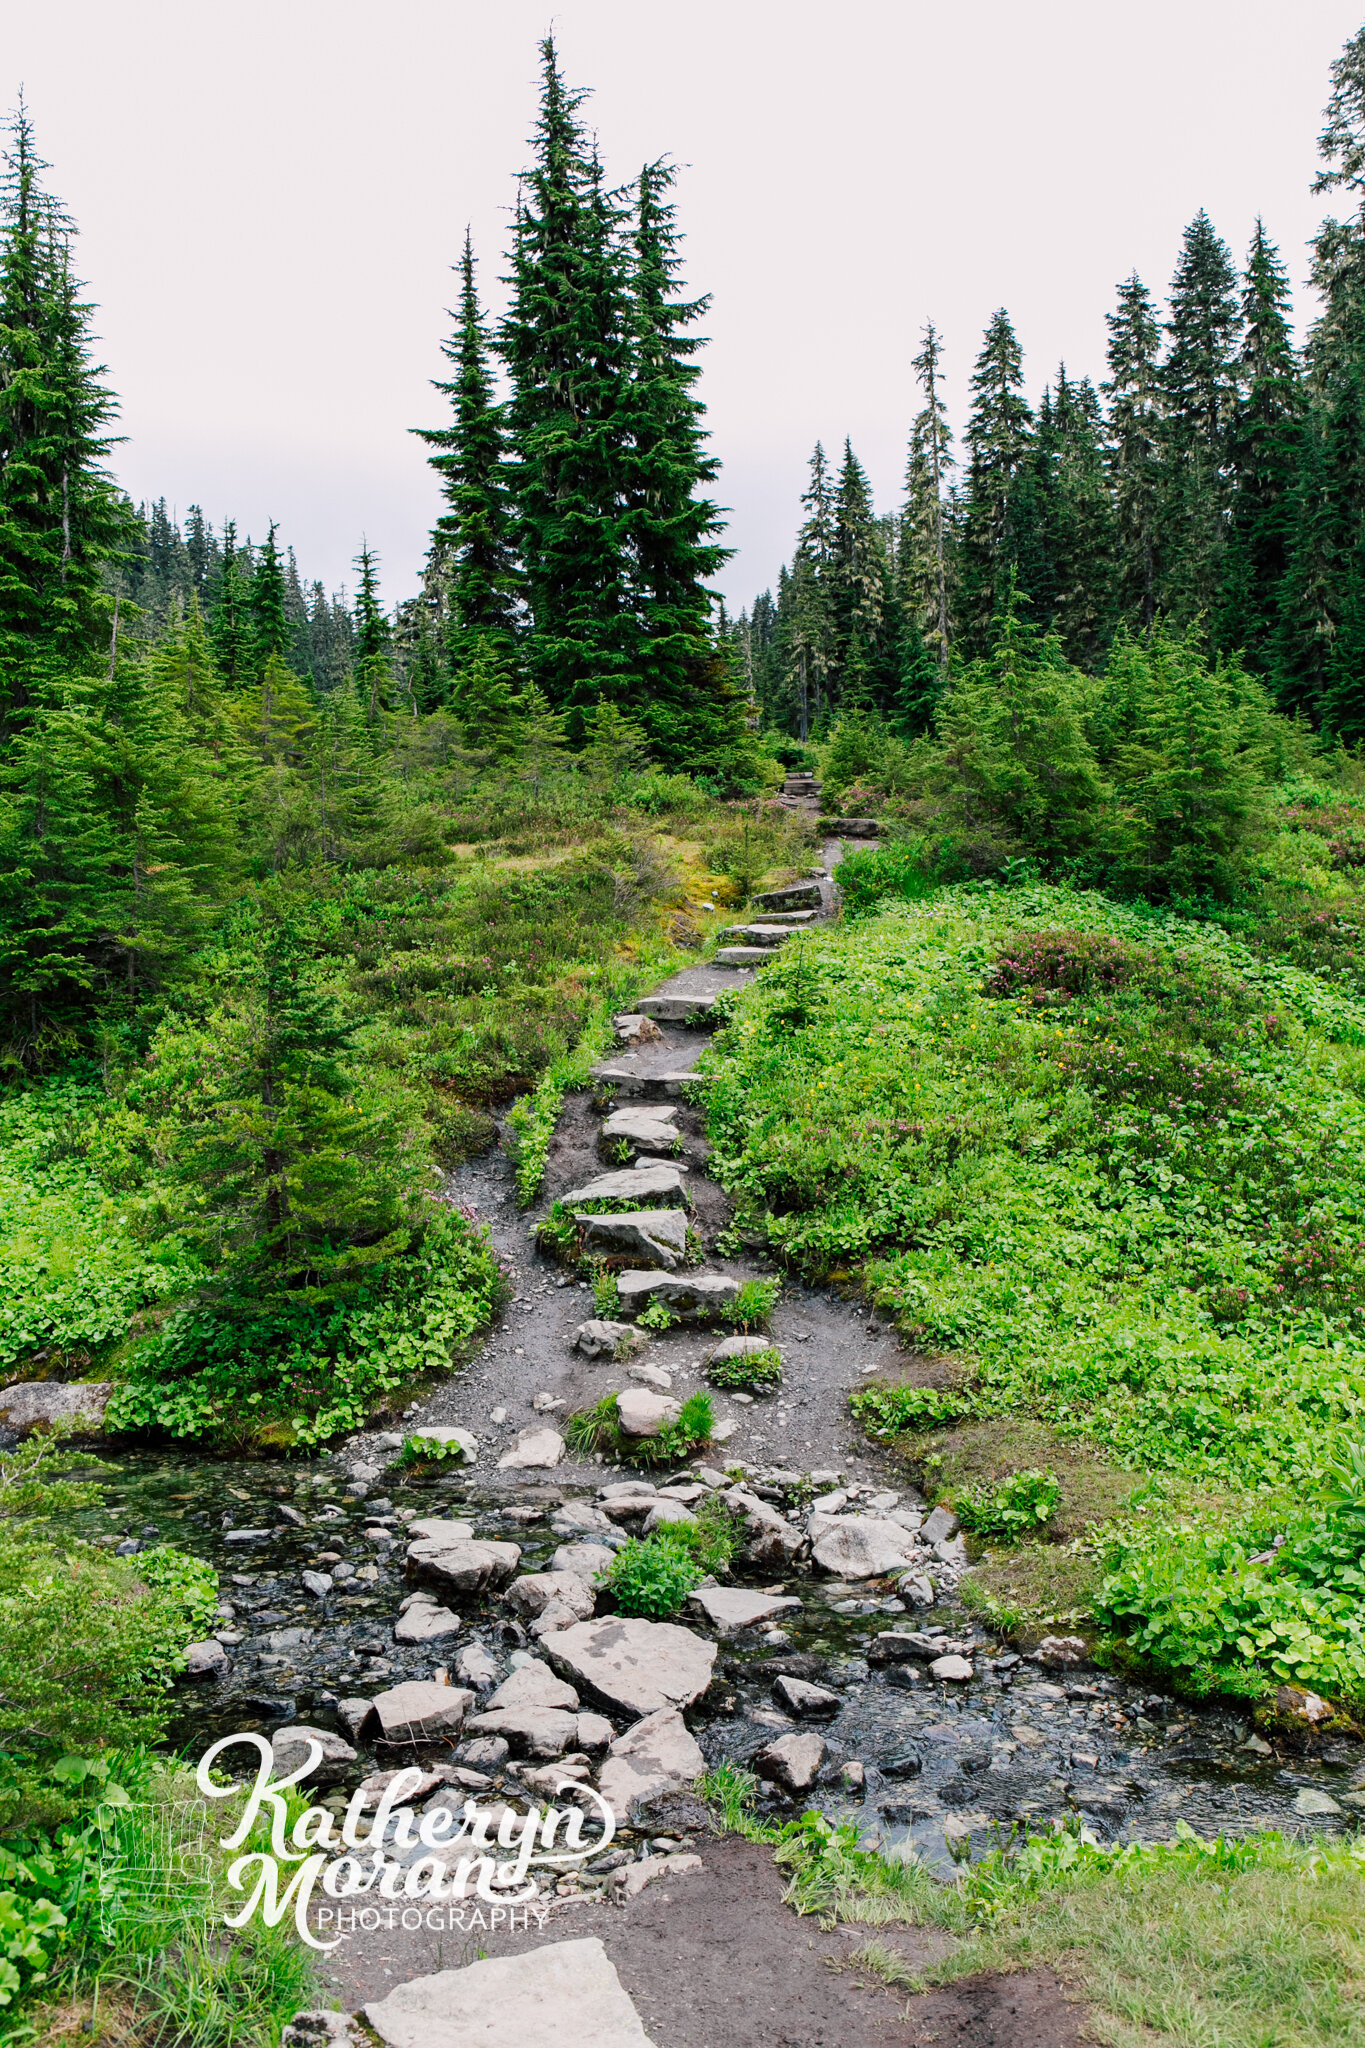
(1078, 536)
(270, 634)
(233, 638)
(1265, 445)
(1133, 389)
(1200, 386)
(61, 519)
(565, 343)
(925, 520)
(812, 645)
(858, 575)
(472, 576)
(373, 637)
(999, 440)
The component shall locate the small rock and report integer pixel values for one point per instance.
(647, 1237)
(955, 1669)
(485, 1753)
(633, 1028)
(653, 1376)
(793, 1761)
(631, 1880)
(206, 1660)
(531, 1731)
(656, 1756)
(417, 1710)
(353, 1714)
(917, 1589)
(939, 1525)
(289, 1747)
(687, 1295)
(1310, 1800)
(373, 1788)
(319, 1584)
(534, 1684)
(595, 1733)
(666, 1511)
(1305, 1708)
(597, 1339)
(536, 1449)
(533, 1594)
(318, 2029)
(1257, 1745)
(585, 1560)
(425, 1622)
(474, 1667)
(545, 1404)
(854, 1778)
(462, 1566)
(641, 1413)
(732, 1607)
(1058, 1653)
(807, 1702)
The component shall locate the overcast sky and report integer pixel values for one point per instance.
(270, 197)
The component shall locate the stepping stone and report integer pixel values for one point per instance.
(793, 1761)
(643, 1130)
(420, 1709)
(677, 1009)
(534, 1685)
(639, 1185)
(687, 1295)
(743, 956)
(638, 1667)
(566, 1993)
(462, 1567)
(650, 1237)
(425, 1622)
(641, 1413)
(860, 1546)
(657, 1755)
(852, 828)
(732, 1607)
(761, 935)
(789, 919)
(796, 896)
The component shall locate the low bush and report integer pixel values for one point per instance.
(761, 1370)
(598, 1429)
(1016, 1506)
(653, 1575)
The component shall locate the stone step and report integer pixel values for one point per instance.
(654, 1238)
(756, 934)
(644, 1129)
(789, 919)
(676, 1009)
(743, 956)
(796, 896)
(852, 828)
(642, 1186)
(628, 1086)
(689, 1295)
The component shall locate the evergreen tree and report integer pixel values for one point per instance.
(857, 588)
(1134, 393)
(565, 343)
(475, 565)
(1199, 380)
(811, 641)
(201, 552)
(269, 606)
(1264, 448)
(233, 638)
(61, 519)
(999, 438)
(670, 522)
(1078, 538)
(924, 567)
(373, 638)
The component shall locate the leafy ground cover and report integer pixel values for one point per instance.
(1103, 1164)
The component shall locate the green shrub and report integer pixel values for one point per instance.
(606, 1296)
(597, 1429)
(760, 1369)
(658, 1316)
(593, 1429)
(1014, 1507)
(893, 1411)
(652, 1576)
(752, 1305)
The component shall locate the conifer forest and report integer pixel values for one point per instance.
(823, 1139)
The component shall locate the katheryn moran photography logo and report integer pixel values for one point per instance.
(322, 1863)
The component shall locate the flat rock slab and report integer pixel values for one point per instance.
(731, 1607)
(565, 1995)
(435, 1529)
(852, 828)
(535, 1685)
(598, 1339)
(631, 1123)
(421, 1709)
(650, 1237)
(638, 1667)
(35, 1406)
(656, 1756)
(463, 1567)
(765, 936)
(796, 896)
(742, 956)
(535, 1450)
(860, 1546)
(688, 1295)
(531, 1731)
(629, 1086)
(639, 1185)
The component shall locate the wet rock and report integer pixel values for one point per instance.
(566, 1992)
(372, 1789)
(853, 1777)
(860, 1546)
(462, 1567)
(425, 1622)
(549, 1781)
(643, 1187)
(939, 1525)
(597, 1339)
(595, 1732)
(1060, 1653)
(353, 1714)
(793, 1761)
(485, 1752)
(289, 1747)
(531, 1731)
(732, 1607)
(34, 1407)
(319, 1584)
(768, 1537)
(896, 1646)
(807, 1702)
(648, 1130)
(656, 1756)
(442, 1433)
(535, 1450)
(955, 1669)
(917, 1589)
(641, 1413)
(572, 1515)
(531, 1595)
(419, 1709)
(687, 1295)
(1310, 1801)
(631, 1879)
(637, 1667)
(206, 1660)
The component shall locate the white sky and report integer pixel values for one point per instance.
(270, 197)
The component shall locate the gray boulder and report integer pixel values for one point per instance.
(939, 1525)
(530, 1731)
(860, 1546)
(462, 1567)
(206, 1660)
(584, 1560)
(474, 1667)
(289, 1746)
(642, 1413)
(531, 1595)
(649, 1130)
(637, 1667)
(686, 1295)
(807, 1702)
(641, 1185)
(420, 1709)
(768, 1537)
(534, 1450)
(425, 1622)
(534, 1685)
(34, 1407)
(597, 1339)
